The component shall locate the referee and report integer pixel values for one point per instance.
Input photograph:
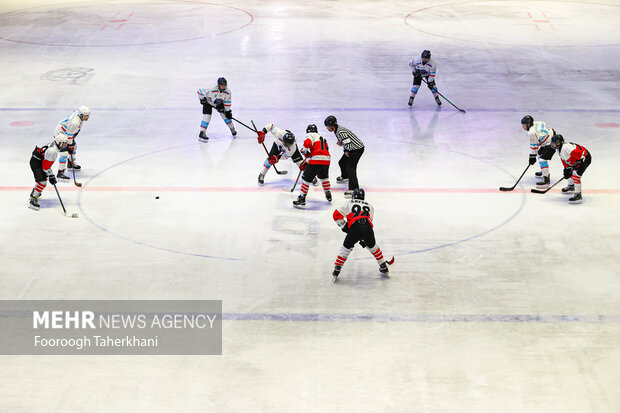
(353, 150)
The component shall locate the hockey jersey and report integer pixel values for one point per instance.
(540, 135)
(316, 148)
(287, 152)
(353, 210)
(571, 153)
(70, 126)
(47, 155)
(214, 93)
(427, 70)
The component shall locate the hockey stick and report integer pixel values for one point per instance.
(390, 262)
(74, 215)
(503, 188)
(267, 152)
(538, 191)
(238, 121)
(446, 99)
(296, 180)
(73, 169)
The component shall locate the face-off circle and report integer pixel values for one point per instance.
(521, 23)
(121, 24)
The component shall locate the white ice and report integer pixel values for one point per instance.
(498, 302)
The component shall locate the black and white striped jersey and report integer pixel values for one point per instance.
(349, 140)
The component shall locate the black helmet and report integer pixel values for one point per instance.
(222, 81)
(312, 129)
(527, 120)
(331, 121)
(288, 139)
(358, 193)
(426, 54)
(557, 141)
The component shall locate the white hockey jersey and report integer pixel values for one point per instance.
(540, 135)
(47, 155)
(353, 210)
(287, 152)
(214, 93)
(70, 126)
(427, 70)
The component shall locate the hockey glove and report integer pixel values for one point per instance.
(71, 149)
(273, 159)
(532, 159)
(52, 179)
(431, 85)
(228, 114)
(219, 105)
(203, 101)
(261, 137)
(362, 243)
(302, 166)
(568, 172)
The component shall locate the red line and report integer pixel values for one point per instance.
(279, 189)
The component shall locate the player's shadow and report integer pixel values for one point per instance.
(429, 131)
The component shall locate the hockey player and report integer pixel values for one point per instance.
(41, 164)
(284, 146)
(317, 161)
(353, 150)
(540, 144)
(70, 127)
(354, 218)
(217, 97)
(423, 67)
(576, 160)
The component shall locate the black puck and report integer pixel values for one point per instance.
(156, 197)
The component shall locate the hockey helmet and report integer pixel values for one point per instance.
(288, 139)
(61, 140)
(557, 141)
(83, 112)
(222, 81)
(426, 54)
(331, 121)
(358, 193)
(312, 129)
(527, 120)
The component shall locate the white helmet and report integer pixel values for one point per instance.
(61, 140)
(84, 111)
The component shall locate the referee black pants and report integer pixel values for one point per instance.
(348, 167)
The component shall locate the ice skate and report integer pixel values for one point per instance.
(568, 189)
(61, 174)
(300, 202)
(34, 202)
(202, 137)
(348, 194)
(328, 196)
(410, 100)
(261, 179)
(73, 165)
(341, 180)
(544, 184)
(383, 269)
(336, 272)
(577, 199)
(234, 132)
(438, 100)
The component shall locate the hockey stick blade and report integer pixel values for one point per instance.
(390, 262)
(538, 191)
(503, 188)
(282, 172)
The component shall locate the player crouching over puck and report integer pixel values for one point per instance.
(41, 164)
(284, 146)
(576, 160)
(354, 217)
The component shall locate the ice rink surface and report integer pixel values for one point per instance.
(498, 302)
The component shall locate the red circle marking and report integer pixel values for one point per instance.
(607, 125)
(22, 123)
(234, 29)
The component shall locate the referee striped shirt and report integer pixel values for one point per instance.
(350, 141)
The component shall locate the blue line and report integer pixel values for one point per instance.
(424, 318)
(320, 109)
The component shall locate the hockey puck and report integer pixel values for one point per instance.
(75, 215)
(156, 197)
